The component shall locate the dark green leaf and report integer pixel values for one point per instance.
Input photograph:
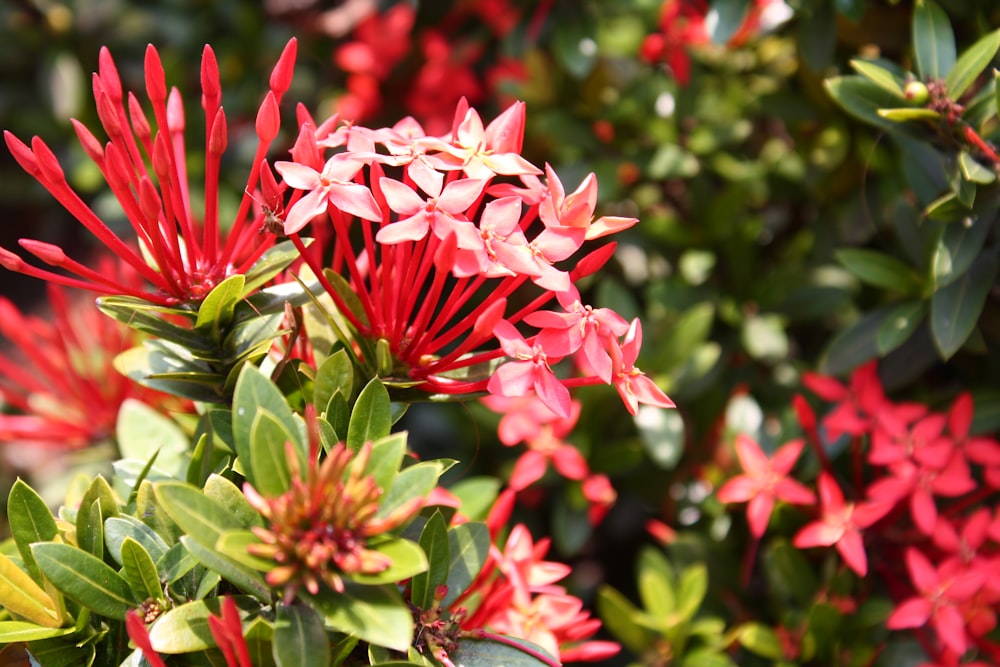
(30, 521)
(140, 571)
(971, 64)
(817, 40)
(371, 417)
(255, 391)
(347, 295)
(235, 573)
(957, 248)
(955, 308)
(483, 652)
(116, 529)
(375, 614)
(336, 373)
(434, 542)
(947, 208)
(299, 638)
(852, 10)
(84, 579)
(468, 548)
(880, 269)
(789, 573)
(854, 345)
(729, 16)
(899, 325)
(933, 41)
(862, 99)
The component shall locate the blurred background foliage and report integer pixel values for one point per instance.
(749, 181)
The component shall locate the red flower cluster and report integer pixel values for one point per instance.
(433, 235)
(685, 23)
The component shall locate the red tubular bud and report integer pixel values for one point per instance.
(211, 89)
(11, 262)
(149, 200)
(156, 86)
(284, 69)
(140, 126)
(47, 162)
(219, 136)
(593, 262)
(175, 111)
(51, 254)
(22, 154)
(109, 75)
(108, 114)
(91, 146)
(268, 119)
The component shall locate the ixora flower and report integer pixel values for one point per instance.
(432, 236)
(180, 251)
(320, 528)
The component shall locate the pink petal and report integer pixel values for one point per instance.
(818, 534)
(400, 198)
(752, 458)
(759, 514)
(529, 469)
(738, 490)
(355, 199)
(512, 379)
(413, 228)
(297, 175)
(312, 205)
(570, 462)
(852, 550)
(911, 613)
(553, 393)
(459, 195)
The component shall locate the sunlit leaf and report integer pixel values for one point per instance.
(85, 579)
(971, 64)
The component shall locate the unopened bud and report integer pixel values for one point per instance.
(916, 92)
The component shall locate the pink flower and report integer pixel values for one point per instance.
(529, 370)
(840, 525)
(632, 384)
(765, 481)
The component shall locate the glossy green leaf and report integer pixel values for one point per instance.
(184, 629)
(21, 596)
(656, 584)
(347, 295)
(899, 325)
(22, 631)
(955, 308)
(199, 516)
(299, 638)
(762, 640)
(268, 454)
(139, 571)
(336, 373)
(229, 496)
(406, 560)
(477, 495)
(85, 579)
(958, 246)
(371, 418)
(971, 64)
(879, 269)
(947, 208)
(233, 544)
(483, 652)
(434, 542)
(885, 78)
(468, 548)
(235, 573)
(215, 313)
(30, 521)
(90, 528)
(375, 614)
(386, 457)
(855, 344)
(417, 481)
(933, 41)
(166, 367)
(974, 172)
(117, 529)
(148, 318)
(862, 99)
(255, 391)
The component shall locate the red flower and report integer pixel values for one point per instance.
(184, 253)
(765, 481)
(859, 403)
(227, 631)
(840, 525)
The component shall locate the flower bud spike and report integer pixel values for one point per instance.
(284, 69)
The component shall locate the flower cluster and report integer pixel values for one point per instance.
(452, 227)
(918, 506)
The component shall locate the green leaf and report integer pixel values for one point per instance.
(184, 629)
(947, 208)
(371, 418)
(375, 614)
(140, 571)
(789, 573)
(229, 496)
(21, 631)
(971, 64)
(816, 41)
(728, 16)
(956, 249)
(707, 657)
(274, 260)
(199, 516)
(233, 544)
(933, 41)
(974, 172)
(254, 391)
(899, 325)
(347, 295)
(955, 308)
(117, 529)
(30, 521)
(691, 590)
(90, 528)
(656, 584)
(268, 454)
(386, 457)
(762, 640)
(407, 560)
(417, 481)
(468, 548)
(477, 495)
(141, 431)
(883, 77)
(764, 338)
(240, 576)
(662, 433)
(483, 652)
(215, 313)
(619, 616)
(855, 344)
(84, 579)
(880, 269)
(148, 318)
(21, 596)
(901, 115)
(434, 542)
(299, 638)
(862, 99)
(336, 373)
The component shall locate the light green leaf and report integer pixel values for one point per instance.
(899, 325)
(933, 41)
(375, 614)
(662, 433)
(901, 115)
(21, 631)
(417, 481)
(656, 584)
(215, 313)
(947, 208)
(619, 616)
(336, 373)
(971, 64)
(184, 629)
(299, 638)
(386, 457)
(764, 338)
(468, 548)
(233, 544)
(271, 263)
(434, 542)
(84, 579)
(21, 596)
(477, 495)
(268, 454)
(140, 571)
(229, 496)
(90, 528)
(141, 431)
(955, 308)
(885, 78)
(407, 560)
(762, 640)
(691, 590)
(30, 521)
(371, 418)
(862, 99)
(235, 573)
(879, 269)
(199, 516)
(974, 172)
(255, 391)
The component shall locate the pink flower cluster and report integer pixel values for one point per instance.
(919, 503)
(436, 234)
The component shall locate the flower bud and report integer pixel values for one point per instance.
(916, 92)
